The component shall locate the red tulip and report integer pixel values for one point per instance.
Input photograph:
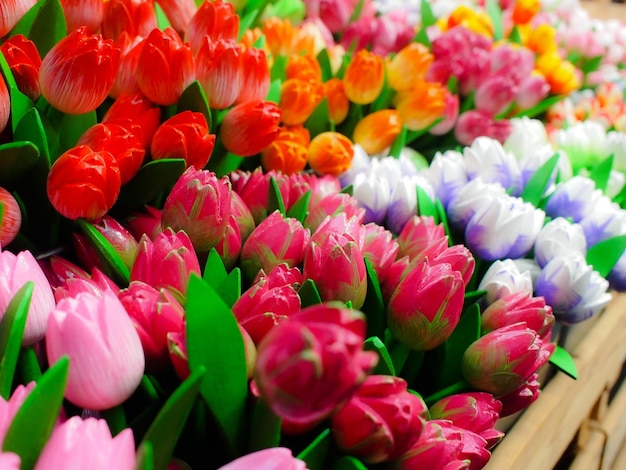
(83, 13)
(78, 72)
(5, 105)
(184, 135)
(135, 17)
(135, 110)
(83, 183)
(215, 20)
(11, 11)
(166, 67)
(122, 143)
(23, 58)
(219, 71)
(125, 82)
(178, 12)
(255, 79)
(250, 127)
(10, 217)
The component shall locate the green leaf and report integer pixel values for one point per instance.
(536, 186)
(422, 38)
(215, 342)
(300, 209)
(428, 17)
(265, 428)
(145, 457)
(309, 295)
(25, 24)
(398, 143)
(194, 99)
(151, 180)
(541, 107)
(314, 454)
(601, 172)
(324, 60)
(473, 296)
(247, 20)
(515, 36)
(347, 462)
(442, 217)
(72, 127)
(16, 159)
(37, 415)
(6, 71)
(30, 128)
(275, 198)
(214, 270)
(116, 419)
(425, 205)
(319, 119)
(495, 13)
(348, 190)
(230, 288)
(564, 361)
(374, 306)
(592, 64)
(399, 354)
(162, 20)
(278, 70)
(112, 264)
(356, 13)
(48, 27)
(11, 333)
(273, 94)
(20, 105)
(166, 429)
(603, 255)
(385, 364)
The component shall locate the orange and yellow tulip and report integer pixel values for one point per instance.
(338, 103)
(422, 105)
(364, 77)
(298, 100)
(408, 66)
(330, 153)
(377, 131)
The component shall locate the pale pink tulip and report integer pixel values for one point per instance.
(9, 407)
(275, 458)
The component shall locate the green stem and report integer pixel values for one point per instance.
(398, 143)
(399, 354)
(457, 387)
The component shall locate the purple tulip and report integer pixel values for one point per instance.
(486, 159)
(606, 220)
(446, 174)
(469, 199)
(573, 198)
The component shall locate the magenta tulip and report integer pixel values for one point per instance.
(106, 358)
(459, 258)
(522, 397)
(332, 205)
(95, 284)
(253, 188)
(380, 249)
(229, 247)
(421, 237)
(145, 223)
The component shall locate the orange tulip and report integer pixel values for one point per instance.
(364, 77)
(408, 66)
(541, 39)
(525, 10)
(284, 154)
(250, 38)
(279, 34)
(250, 127)
(305, 67)
(422, 105)
(330, 153)
(338, 103)
(308, 39)
(219, 71)
(377, 131)
(298, 134)
(298, 100)
(135, 17)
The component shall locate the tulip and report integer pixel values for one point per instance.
(10, 217)
(332, 205)
(178, 12)
(255, 81)
(253, 188)
(298, 100)
(403, 202)
(605, 221)
(561, 75)
(377, 131)
(364, 77)
(420, 106)
(83, 183)
(303, 67)
(135, 17)
(559, 237)
(165, 68)
(284, 155)
(372, 193)
(381, 421)
(495, 94)
(350, 228)
(9, 461)
(219, 71)
(77, 73)
(83, 13)
(380, 249)
(426, 306)
(459, 258)
(487, 159)
(184, 135)
(271, 299)
(336, 265)
(408, 66)
(229, 246)
(8, 408)
(23, 58)
(447, 175)
(5, 105)
(279, 35)
(322, 186)
(113, 367)
(422, 237)
(178, 353)
(572, 288)
(392, 31)
(476, 412)
(215, 20)
(274, 458)
(154, 313)
(122, 143)
(313, 362)
(531, 91)
(472, 124)
(503, 359)
(330, 153)
(147, 223)
(504, 278)
(135, 110)
(521, 398)
(338, 103)
(167, 262)
(239, 210)
(274, 241)
(126, 79)
(249, 127)
(450, 115)
(574, 198)
(88, 443)
(95, 284)
(11, 12)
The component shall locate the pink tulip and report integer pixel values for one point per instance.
(11, 12)
(145, 223)
(177, 347)
(253, 188)
(426, 306)
(199, 204)
(460, 259)
(106, 358)
(59, 270)
(274, 241)
(343, 225)
(229, 247)
(380, 249)
(494, 95)
(422, 237)
(502, 360)
(15, 271)
(476, 412)
(395, 273)
(9, 461)
(331, 205)
(8, 408)
(275, 458)
(313, 362)
(474, 123)
(322, 186)
(88, 443)
(450, 115)
(391, 32)
(167, 262)
(531, 91)
(154, 313)
(270, 300)
(242, 214)
(522, 397)
(95, 284)
(215, 20)
(381, 421)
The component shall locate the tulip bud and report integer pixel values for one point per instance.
(10, 217)
(504, 278)
(178, 12)
(330, 153)
(270, 300)
(422, 237)
(377, 131)
(12, 12)
(5, 105)
(23, 58)
(381, 421)
(78, 72)
(126, 79)
(178, 353)
(215, 20)
(502, 360)
(285, 155)
(380, 249)
(298, 100)
(147, 223)
(253, 189)
(327, 363)
(521, 398)
(10, 461)
(473, 124)
(426, 306)
(274, 241)
(135, 110)
(494, 95)
(168, 262)
(88, 443)
(229, 246)
(83, 183)
(83, 13)
(95, 284)
(185, 135)
(239, 210)
(107, 362)
(255, 78)
(332, 205)
(274, 458)
(408, 66)
(420, 106)
(250, 127)
(364, 77)
(166, 67)
(199, 204)
(134, 17)
(219, 71)
(338, 103)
